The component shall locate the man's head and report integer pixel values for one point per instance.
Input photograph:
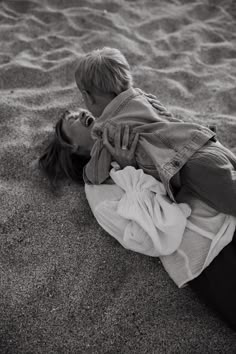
(101, 75)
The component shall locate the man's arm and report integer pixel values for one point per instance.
(98, 168)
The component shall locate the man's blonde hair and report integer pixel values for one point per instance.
(103, 71)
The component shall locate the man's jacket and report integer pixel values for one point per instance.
(165, 143)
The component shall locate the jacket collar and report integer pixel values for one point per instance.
(113, 107)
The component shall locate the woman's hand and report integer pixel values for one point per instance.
(121, 152)
(156, 104)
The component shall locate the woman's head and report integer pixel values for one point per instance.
(69, 150)
(76, 128)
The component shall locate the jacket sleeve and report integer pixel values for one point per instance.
(97, 169)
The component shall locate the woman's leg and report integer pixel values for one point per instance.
(216, 285)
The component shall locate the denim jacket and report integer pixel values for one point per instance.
(165, 143)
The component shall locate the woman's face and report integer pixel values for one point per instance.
(77, 127)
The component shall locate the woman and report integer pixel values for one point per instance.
(136, 211)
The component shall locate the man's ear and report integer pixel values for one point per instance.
(89, 97)
(74, 148)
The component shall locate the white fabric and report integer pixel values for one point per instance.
(150, 222)
(207, 232)
(136, 211)
(149, 212)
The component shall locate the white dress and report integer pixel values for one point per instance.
(137, 212)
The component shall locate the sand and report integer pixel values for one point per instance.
(66, 285)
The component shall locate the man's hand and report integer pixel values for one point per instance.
(121, 152)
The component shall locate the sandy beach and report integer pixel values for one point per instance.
(65, 285)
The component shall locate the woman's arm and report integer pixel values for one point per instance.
(152, 99)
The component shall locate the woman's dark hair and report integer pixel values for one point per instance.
(59, 159)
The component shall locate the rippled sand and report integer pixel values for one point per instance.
(66, 286)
